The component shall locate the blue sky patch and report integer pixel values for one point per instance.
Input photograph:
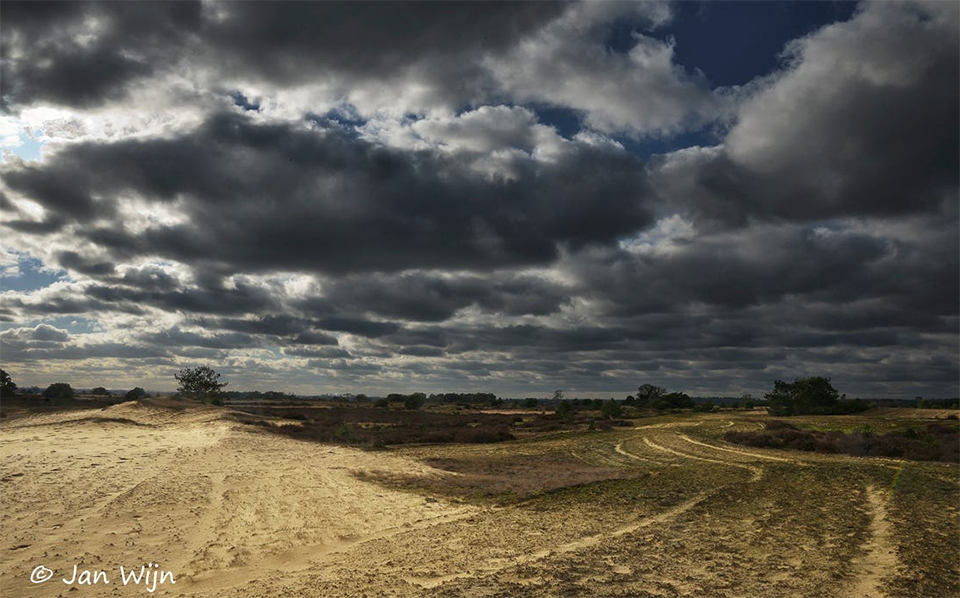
(735, 42)
(31, 277)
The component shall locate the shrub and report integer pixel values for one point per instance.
(414, 401)
(136, 394)
(58, 390)
(611, 409)
(940, 442)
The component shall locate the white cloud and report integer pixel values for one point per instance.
(640, 93)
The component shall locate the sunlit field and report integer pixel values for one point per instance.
(657, 506)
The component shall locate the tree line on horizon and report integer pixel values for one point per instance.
(812, 395)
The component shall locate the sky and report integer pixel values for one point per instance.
(324, 197)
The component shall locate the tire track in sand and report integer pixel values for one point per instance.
(881, 557)
(619, 448)
(585, 542)
(757, 472)
(304, 557)
(739, 452)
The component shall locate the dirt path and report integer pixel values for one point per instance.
(737, 451)
(619, 449)
(881, 557)
(756, 472)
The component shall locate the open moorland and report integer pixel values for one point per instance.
(262, 503)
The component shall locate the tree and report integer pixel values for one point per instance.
(611, 409)
(558, 395)
(648, 393)
(58, 390)
(136, 394)
(414, 401)
(100, 392)
(813, 395)
(563, 409)
(200, 383)
(7, 387)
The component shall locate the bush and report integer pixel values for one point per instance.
(611, 409)
(937, 443)
(58, 390)
(136, 394)
(414, 401)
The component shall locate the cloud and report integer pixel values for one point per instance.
(862, 123)
(642, 92)
(257, 197)
(84, 53)
(381, 197)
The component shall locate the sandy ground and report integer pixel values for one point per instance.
(198, 495)
(231, 511)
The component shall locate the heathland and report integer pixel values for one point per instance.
(279, 499)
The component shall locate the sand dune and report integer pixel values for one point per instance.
(206, 499)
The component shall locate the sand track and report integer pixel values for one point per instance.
(752, 454)
(880, 558)
(755, 472)
(563, 549)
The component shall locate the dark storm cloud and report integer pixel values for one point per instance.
(733, 270)
(82, 54)
(358, 326)
(240, 299)
(174, 338)
(425, 297)
(74, 261)
(294, 41)
(832, 280)
(265, 197)
(65, 303)
(314, 338)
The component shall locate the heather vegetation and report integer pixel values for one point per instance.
(930, 442)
